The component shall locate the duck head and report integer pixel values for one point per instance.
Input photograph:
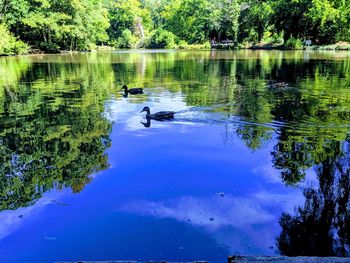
(146, 109)
(125, 88)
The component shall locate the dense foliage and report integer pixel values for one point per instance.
(53, 25)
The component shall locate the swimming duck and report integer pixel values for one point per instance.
(162, 115)
(133, 91)
(276, 85)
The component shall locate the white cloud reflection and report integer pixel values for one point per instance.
(270, 174)
(10, 220)
(225, 211)
(232, 220)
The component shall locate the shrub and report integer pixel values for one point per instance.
(20, 48)
(49, 47)
(293, 43)
(182, 44)
(277, 39)
(162, 38)
(144, 42)
(205, 45)
(126, 40)
(9, 44)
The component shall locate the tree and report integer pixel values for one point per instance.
(255, 21)
(52, 24)
(191, 20)
(130, 15)
(10, 44)
(228, 21)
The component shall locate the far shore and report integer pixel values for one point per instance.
(334, 47)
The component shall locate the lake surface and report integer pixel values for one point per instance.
(244, 168)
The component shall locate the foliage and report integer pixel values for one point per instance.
(294, 43)
(128, 15)
(318, 20)
(53, 25)
(126, 40)
(189, 19)
(122, 15)
(162, 38)
(9, 44)
(254, 22)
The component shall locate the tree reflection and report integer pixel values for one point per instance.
(52, 134)
(321, 226)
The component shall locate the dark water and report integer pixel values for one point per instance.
(243, 169)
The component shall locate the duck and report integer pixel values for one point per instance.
(133, 91)
(276, 85)
(159, 116)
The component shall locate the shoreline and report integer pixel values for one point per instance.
(311, 48)
(238, 259)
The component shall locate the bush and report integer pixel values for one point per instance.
(182, 44)
(20, 48)
(293, 43)
(49, 47)
(205, 45)
(127, 40)
(162, 38)
(277, 39)
(9, 44)
(144, 42)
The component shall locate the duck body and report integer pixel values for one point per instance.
(161, 115)
(278, 85)
(133, 91)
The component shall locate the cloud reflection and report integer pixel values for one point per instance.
(230, 218)
(224, 211)
(11, 220)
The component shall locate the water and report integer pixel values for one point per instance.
(242, 169)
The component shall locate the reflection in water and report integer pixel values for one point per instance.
(50, 138)
(56, 116)
(146, 124)
(249, 217)
(322, 226)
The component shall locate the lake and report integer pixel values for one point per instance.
(245, 167)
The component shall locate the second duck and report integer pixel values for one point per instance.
(133, 91)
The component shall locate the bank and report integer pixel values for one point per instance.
(239, 259)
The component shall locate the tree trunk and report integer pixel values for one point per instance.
(140, 27)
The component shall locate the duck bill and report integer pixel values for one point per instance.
(141, 111)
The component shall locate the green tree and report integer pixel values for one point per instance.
(255, 21)
(128, 15)
(52, 24)
(228, 18)
(10, 44)
(191, 20)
